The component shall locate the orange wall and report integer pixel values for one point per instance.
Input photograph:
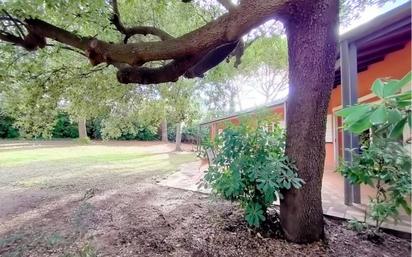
(330, 157)
(395, 65)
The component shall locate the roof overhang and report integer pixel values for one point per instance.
(274, 104)
(385, 34)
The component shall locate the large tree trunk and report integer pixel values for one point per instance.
(82, 128)
(164, 131)
(178, 136)
(312, 40)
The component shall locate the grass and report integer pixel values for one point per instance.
(49, 171)
(69, 164)
(84, 154)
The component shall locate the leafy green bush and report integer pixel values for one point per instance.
(141, 133)
(7, 129)
(126, 129)
(189, 133)
(251, 167)
(382, 162)
(83, 140)
(64, 127)
(171, 132)
(94, 127)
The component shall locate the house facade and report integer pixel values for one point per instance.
(382, 50)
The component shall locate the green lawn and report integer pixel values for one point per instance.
(51, 178)
(57, 165)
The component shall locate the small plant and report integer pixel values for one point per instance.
(382, 161)
(357, 225)
(86, 251)
(205, 144)
(83, 141)
(251, 167)
(54, 240)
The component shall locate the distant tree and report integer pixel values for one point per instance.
(265, 74)
(180, 104)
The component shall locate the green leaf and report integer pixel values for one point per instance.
(406, 80)
(349, 110)
(391, 88)
(286, 184)
(358, 114)
(379, 116)
(394, 116)
(404, 96)
(410, 120)
(394, 86)
(360, 126)
(397, 130)
(377, 88)
(254, 214)
(404, 103)
(405, 206)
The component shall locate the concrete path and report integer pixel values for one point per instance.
(190, 176)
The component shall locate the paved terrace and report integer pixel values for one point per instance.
(190, 176)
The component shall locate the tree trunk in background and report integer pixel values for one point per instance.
(178, 136)
(82, 128)
(232, 104)
(164, 131)
(312, 40)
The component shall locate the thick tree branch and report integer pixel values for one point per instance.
(227, 28)
(38, 31)
(186, 50)
(8, 37)
(47, 30)
(166, 73)
(190, 67)
(210, 60)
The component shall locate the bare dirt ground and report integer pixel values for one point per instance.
(131, 215)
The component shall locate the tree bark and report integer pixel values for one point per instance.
(178, 136)
(312, 39)
(164, 131)
(82, 128)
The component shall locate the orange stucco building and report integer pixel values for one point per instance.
(386, 55)
(395, 65)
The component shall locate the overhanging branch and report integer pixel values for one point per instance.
(137, 30)
(166, 73)
(192, 54)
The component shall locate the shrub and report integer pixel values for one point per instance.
(7, 129)
(64, 127)
(382, 162)
(94, 127)
(189, 133)
(386, 166)
(141, 133)
(251, 167)
(120, 128)
(83, 140)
